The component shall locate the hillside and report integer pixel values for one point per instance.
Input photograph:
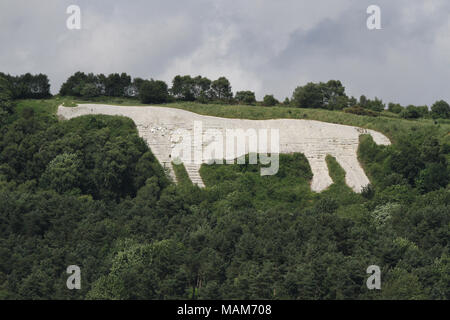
(88, 191)
(388, 123)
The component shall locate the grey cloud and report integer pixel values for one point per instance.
(262, 45)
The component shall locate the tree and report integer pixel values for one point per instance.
(245, 97)
(63, 174)
(334, 97)
(405, 159)
(73, 85)
(28, 86)
(182, 88)
(5, 96)
(133, 89)
(270, 101)
(153, 91)
(376, 105)
(190, 89)
(91, 85)
(144, 271)
(90, 90)
(363, 101)
(116, 84)
(221, 89)
(201, 88)
(6, 105)
(308, 96)
(330, 95)
(403, 285)
(440, 109)
(433, 177)
(410, 112)
(395, 107)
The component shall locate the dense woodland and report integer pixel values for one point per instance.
(89, 192)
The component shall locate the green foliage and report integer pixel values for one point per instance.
(143, 271)
(63, 174)
(27, 86)
(153, 91)
(395, 107)
(361, 111)
(190, 89)
(89, 85)
(201, 89)
(308, 96)
(245, 97)
(6, 104)
(375, 105)
(413, 112)
(270, 101)
(440, 109)
(181, 174)
(102, 156)
(89, 192)
(330, 95)
(221, 89)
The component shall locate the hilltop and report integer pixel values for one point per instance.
(389, 123)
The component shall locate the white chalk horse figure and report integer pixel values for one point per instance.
(159, 127)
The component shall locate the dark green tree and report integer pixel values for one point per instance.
(270, 101)
(440, 109)
(153, 91)
(221, 89)
(308, 96)
(245, 97)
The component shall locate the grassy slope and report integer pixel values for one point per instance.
(291, 185)
(388, 123)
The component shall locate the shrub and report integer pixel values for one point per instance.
(153, 91)
(361, 111)
(330, 95)
(440, 109)
(368, 191)
(270, 101)
(89, 90)
(245, 97)
(395, 108)
(63, 173)
(308, 96)
(28, 86)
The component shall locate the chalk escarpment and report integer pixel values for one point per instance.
(315, 139)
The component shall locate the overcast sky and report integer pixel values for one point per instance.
(267, 46)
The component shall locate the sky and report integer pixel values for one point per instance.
(266, 46)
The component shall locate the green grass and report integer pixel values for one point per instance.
(290, 187)
(337, 174)
(44, 106)
(181, 174)
(118, 101)
(243, 183)
(339, 188)
(388, 123)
